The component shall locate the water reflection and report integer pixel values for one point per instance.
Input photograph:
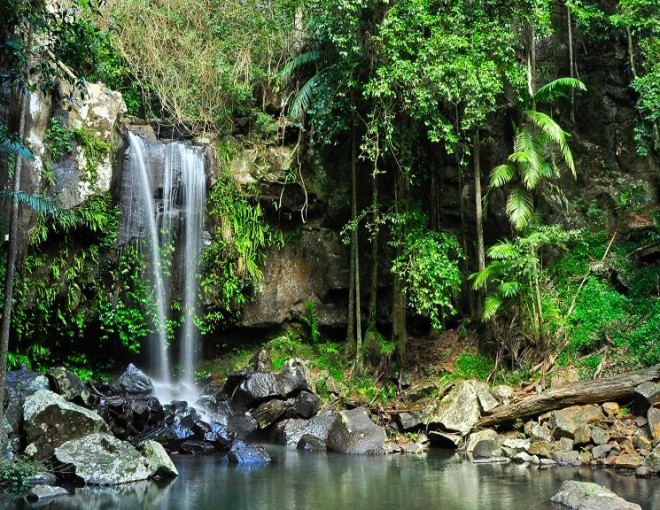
(318, 481)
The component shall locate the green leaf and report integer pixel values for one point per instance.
(553, 131)
(503, 250)
(303, 98)
(557, 89)
(508, 289)
(519, 208)
(491, 305)
(298, 62)
(502, 174)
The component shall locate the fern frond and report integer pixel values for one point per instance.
(554, 132)
(303, 98)
(503, 250)
(519, 208)
(556, 89)
(297, 62)
(502, 174)
(509, 289)
(491, 306)
(14, 147)
(480, 278)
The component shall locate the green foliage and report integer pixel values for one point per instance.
(429, 267)
(14, 475)
(231, 263)
(518, 284)
(311, 322)
(473, 366)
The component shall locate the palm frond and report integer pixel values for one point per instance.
(503, 250)
(528, 154)
(509, 289)
(491, 305)
(297, 62)
(519, 208)
(303, 97)
(554, 132)
(502, 174)
(557, 89)
(44, 206)
(479, 279)
(14, 147)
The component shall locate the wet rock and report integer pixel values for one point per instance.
(503, 393)
(565, 421)
(628, 461)
(102, 459)
(566, 458)
(220, 435)
(69, 385)
(524, 457)
(590, 496)
(261, 361)
(135, 382)
(256, 388)
(653, 417)
(652, 462)
(242, 425)
(19, 386)
(599, 436)
(269, 412)
(290, 431)
(354, 433)
(41, 478)
(295, 377)
(242, 453)
(158, 460)
(484, 449)
(610, 409)
(196, 447)
(45, 492)
(459, 411)
(310, 443)
(601, 451)
(307, 404)
(481, 435)
(50, 421)
(650, 391)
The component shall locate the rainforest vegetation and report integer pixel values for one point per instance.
(460, 139)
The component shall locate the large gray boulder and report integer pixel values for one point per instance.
(135, 382)
(50, 421)
(460, 409)
(354, 433)
(565, 422)
(102, 459)
(650, 391)
(20, 385)
(68, 384)
(158, 460)
(289, 432)
(590, 496)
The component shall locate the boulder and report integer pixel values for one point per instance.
(502, 393)
(652, 462)
(459, 410)
(295, 377)
(220, 435)
(481, 435)
(599, 436)
(290, 431)
(135, 382)
(243, 453)
(102, 459)
(354, 433)
(261, 361)
(590, 496)
(309, 443)
(242, 425)
(269, 412)
(610, 408)
(51, 421)
(566, 458)
(486, 401)
(158, 460)
(45, 492)
(541, 449)
(412, 420)
(653, 417)
(484, 449)
(565, 421)
(19, 386)
(196, 447)
(582, 435)
(307, 404)
(69, 385)
(600, 451)
(629, 461)
(256, 388)
(650, 391)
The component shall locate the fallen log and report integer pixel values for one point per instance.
(582, 392)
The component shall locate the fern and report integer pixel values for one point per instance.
(297, 62)
(557, 89)
(520, 208)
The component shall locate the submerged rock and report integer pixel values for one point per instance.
(44, 492)
(51, 421)
(309, 443)
(243, 453)
(102, 459)
(590, 496)
(354, 433)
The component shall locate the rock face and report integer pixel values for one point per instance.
(354, 433)
(50, 421)
(102, 459)
(590, 496)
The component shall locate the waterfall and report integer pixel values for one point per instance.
(178, 211)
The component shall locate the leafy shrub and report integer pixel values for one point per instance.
(473, 366)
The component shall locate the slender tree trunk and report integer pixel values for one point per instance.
(481, 250)
(11, 258)
(571, 61)
(531, 66)
(373, 280)
(356, 253)
(399, 333)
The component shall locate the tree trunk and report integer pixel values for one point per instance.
(399, 333)
(373, 280)
(356, 253)
(571, 62)
(11, 257)
(582, 392)
(531, 66)
(479, 217)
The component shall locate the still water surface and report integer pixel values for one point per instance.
(308, 481)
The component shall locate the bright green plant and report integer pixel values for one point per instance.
(473, 366)
(310, 320)
(14, 475)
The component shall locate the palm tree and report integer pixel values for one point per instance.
(533, 159)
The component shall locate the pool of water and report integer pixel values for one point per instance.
(297, 480)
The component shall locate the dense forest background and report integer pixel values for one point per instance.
(490, 166)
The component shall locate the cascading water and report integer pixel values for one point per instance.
(158, 351)
(183, 197)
